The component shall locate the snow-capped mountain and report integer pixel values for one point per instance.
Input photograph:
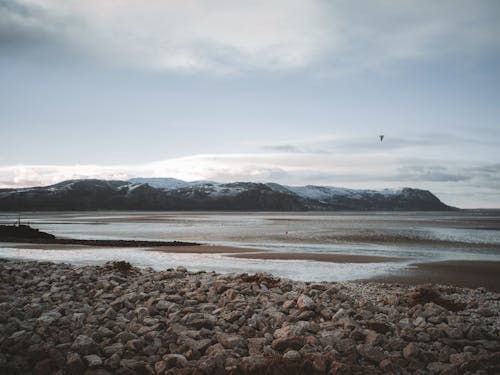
(161, 183)
(173, 194)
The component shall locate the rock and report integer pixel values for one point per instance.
(175, 360)
(164, 305)
(160, 367)
(97, 320)
(112, 349)
(378, 326)
(304, 302)
(138, 366)
(284, 343)
(340, 313)
(438, 367)
(45, 366)
(105, 332)
(373, 338)
(113, 362)
(231, 341)
(93, 360)
(318, 362)
(256, 345)
(411, 352)
(386, 366)
(339, 368)
(460, 358)
(74, 363)
(84, 345)
(49, 317)
(371, 353)
(253, 365)
(292, 355)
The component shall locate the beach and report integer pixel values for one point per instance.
(469, 274)
(311, 302)
(119, 319)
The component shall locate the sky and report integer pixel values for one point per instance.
(290, 91)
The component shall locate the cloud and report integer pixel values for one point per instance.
(431, 173)
(370, 143)
(222, 36)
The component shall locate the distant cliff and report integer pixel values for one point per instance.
(172, 194)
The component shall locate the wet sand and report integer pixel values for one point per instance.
(469, 274)
(204, 249)
(333, 258)
(40, 246)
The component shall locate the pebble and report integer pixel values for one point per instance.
(99, 320)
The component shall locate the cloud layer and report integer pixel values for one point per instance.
(222, 36)
(471, 185)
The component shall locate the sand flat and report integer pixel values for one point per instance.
(463, 273)
(205, 249)
(333, 258)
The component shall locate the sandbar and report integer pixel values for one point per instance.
(462, 273)
(332, 258)
(204, 249)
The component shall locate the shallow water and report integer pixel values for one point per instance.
(417, 237)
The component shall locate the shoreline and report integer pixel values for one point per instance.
(116, 318)
(460, 273)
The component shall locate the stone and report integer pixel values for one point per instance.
(284, 343)
(113, 362)
(49, 317)
(231, 341)
(378, 326)
(175, 360)
(460, 358)
(340, 313)
(373, 338)
(113, 348)
(339, 368)
(305, 302)
(438, 367)
(93, 360)
(411, 352)
(292, 355)
(84, 345)
(372, 353)
(141, 313)
(74, 363)
(253, 364)
(256, 345)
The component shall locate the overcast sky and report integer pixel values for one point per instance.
(289, 91)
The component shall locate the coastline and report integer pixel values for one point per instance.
(460, 273)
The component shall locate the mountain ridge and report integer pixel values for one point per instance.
(174, 194)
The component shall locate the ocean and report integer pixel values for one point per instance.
(414, 236)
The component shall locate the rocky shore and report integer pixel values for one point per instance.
(117, 319)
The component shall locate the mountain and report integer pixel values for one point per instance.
(173, 194)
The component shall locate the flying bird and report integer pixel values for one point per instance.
(381, 137)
